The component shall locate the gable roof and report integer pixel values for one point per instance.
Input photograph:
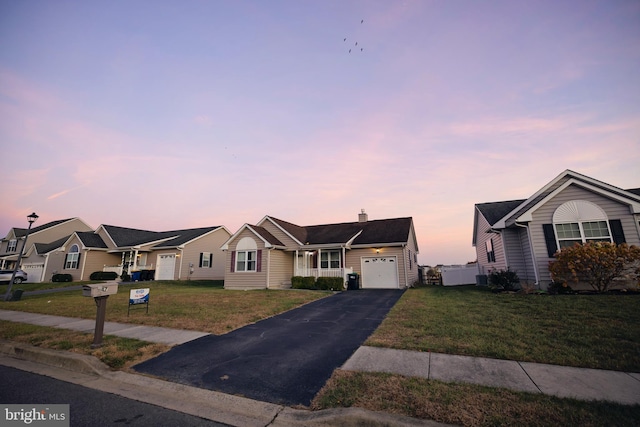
(494, 211)
(43, 248)
(367, 233)
(91, 240)
(185, 236)
(502, 214)
(21, 232)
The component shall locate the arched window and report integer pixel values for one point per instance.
(73, 258)
(580, 221)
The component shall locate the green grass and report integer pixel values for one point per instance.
(194, 305)
(591, 331)
(465, 404)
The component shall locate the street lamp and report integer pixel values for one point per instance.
(31, 218)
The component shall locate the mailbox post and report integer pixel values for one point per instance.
(100, 292)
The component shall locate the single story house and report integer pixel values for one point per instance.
(168, 255)
(267, 255)
(33, 261)
(524, 234)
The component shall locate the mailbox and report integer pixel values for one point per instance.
(100, 290)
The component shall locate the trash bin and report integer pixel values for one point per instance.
(16, 295)
(353, 281)
(135, 276)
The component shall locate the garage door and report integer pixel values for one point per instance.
(34, 272)
(166, 267)
(380, 272)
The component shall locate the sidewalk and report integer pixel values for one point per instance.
(578, 383)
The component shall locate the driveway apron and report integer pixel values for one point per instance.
(285, 359)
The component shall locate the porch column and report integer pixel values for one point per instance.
(135, 260)
(319, 263)
(343, 262)
(295, 265)
(122, 270)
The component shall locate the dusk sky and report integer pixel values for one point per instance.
(165, 115)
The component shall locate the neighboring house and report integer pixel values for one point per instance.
(34, 261)
(573, 208)
(268, 254)
(167, 255)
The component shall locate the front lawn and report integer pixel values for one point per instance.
(590, 331)
(194, 305)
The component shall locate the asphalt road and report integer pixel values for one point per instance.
(285, 359)
(87, 407)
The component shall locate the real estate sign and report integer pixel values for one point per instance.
(138, 296)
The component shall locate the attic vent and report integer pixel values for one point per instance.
(362, 216)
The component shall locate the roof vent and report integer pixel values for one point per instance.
(362, 216)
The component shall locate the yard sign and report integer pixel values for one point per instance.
(138, 296)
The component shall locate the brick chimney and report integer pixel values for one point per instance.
(362, 216)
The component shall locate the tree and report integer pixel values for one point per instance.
(596, 263)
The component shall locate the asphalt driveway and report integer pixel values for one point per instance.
(285, 359)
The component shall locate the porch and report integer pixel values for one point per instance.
(323, 272)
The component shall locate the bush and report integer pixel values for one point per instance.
(62, 278)
(300, 282)
(103, 275)
(556, 288)
(596, 263)
(330, 283)
(504, 280)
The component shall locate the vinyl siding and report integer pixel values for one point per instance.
(518, 254)
(354, 260)
(245, 280)
(280, 265)
(544, 215)
(484, 266)
(96, 260)
(76, 273)
(191, 254)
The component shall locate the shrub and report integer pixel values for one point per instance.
(505, 280)
(103, 275)
(596, 263)
(300, 282)
(330, 283)
(556, 288)
(62, 278)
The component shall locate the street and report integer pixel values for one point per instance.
(88, 407)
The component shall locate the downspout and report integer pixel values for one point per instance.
(533, 255)
(181, 249)
(269, 267)
(404, 255)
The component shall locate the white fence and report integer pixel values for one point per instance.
(323, 272)
(454, 275)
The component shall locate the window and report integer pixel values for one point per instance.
(246, 261)
(491, 255)
(13, 245)
(71, 261)
(580, 221)
(582, 232)
(206, 259)
(330, 259)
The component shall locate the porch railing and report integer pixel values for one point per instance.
(118, 268)
(323, 272)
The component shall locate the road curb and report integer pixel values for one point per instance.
(60, 359)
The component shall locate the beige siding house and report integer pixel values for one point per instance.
(41, 242)
(267, 255)
(573, 208)
(190, 254)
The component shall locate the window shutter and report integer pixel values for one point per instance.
(233, 261)
(201, 256)
(550, 239)
(78, 264)
(616, 231)
(259, 260)
(210, 260)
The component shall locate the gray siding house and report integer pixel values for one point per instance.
(524, 234)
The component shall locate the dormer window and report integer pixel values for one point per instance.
(12, 246)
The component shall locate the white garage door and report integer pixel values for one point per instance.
(34, 272)
(380, 272)
(166, 267)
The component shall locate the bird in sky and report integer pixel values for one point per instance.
(362, 21)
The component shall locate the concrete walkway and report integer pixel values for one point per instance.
(562, 381)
